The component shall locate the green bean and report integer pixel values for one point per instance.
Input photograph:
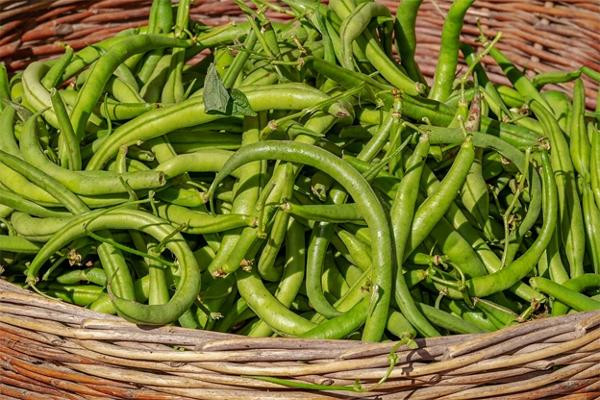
(496, 312)
(357, 188)
(317, 248)
(271, 311)
(7, 132)
(554, 77)
(561, 106)
(571, 226)
(103, 304)
(447, 321)
(191, 112)
(89, 54)
(375, 54)
(88, 183)
(173, 92)
(92, 275)
(556, 269)
(17, 91)
(189, 281)
(123, 91)
(333, 282)
(579, 284)
(266, 262)
(117, 272)
(520, 82)
(354, 25)
(67, 136)
(595, 164)
(293, 273)
(404, 29)
(591, 219)
(591, 73)
(489, 89)
(510, 153)
(19, 203)
(399, 326)
(482, 286)
(580, 145)
(346, 78)
(45, 182)
(474, 193)
(402, 216)
(342, 325)
(4, 86)
(105, 66)
(567, 296)
(328, 213)
(55, 73)
(155, 84)
(125, 111)
(448, 59)
(81, 295)
(477, 318)
(38, 97)
(199, 161)
(200, 222)
(244, 202)
(18, 244)
(37, 229)
(436, 205)
(358, 252)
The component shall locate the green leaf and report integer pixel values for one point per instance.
(216, 97)
(240, 104)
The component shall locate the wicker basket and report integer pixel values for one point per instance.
(52, 350)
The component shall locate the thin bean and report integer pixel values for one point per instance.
(567, 296)
(482, 286)
(357, 187)
(88, 183)
(404, 29)
(448, 58)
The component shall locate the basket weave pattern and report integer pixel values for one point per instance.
(52, 350)
(537, 35)
(49, 348)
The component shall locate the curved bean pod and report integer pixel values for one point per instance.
(360, 191)
(199, 223)
(402, 216)
(483, 286)
(104, 68)
(189, 281)
(88, 183)
(573, 299)
(355, 24)
(190, 112)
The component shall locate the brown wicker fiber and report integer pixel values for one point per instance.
(52, 350)
(537, 35)
(49, 348)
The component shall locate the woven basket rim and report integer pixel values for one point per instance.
(151, 353)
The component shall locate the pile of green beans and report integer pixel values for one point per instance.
(301, 179)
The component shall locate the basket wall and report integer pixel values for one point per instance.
(50, 349)
(538, 35)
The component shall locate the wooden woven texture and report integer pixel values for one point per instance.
(50, 349)
(538, 35)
